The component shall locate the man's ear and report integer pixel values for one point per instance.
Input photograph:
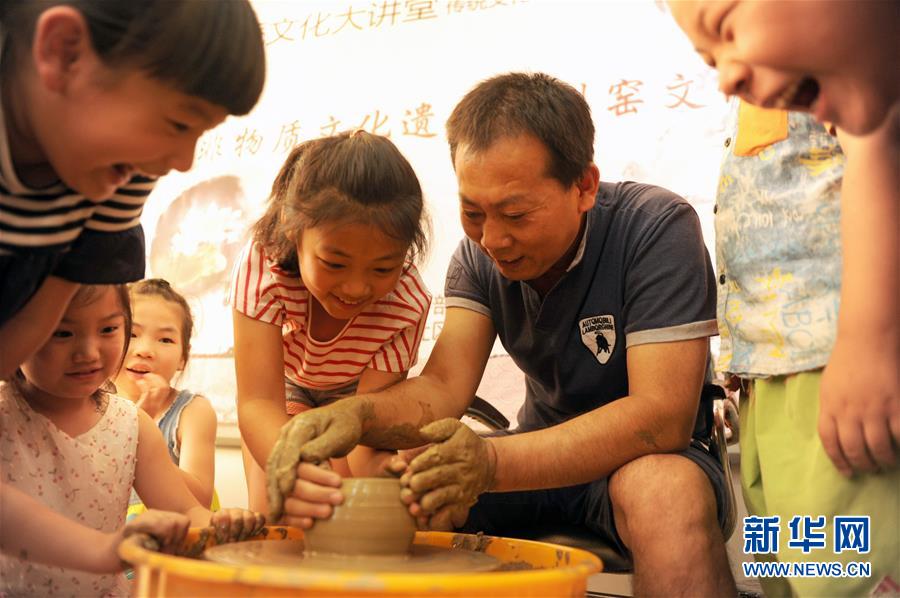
(61, 47)
(587, 187)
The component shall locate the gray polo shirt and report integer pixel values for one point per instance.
(642, 275)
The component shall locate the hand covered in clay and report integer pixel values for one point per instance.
(446, 479)
(166, 528)
(155, 391)
(313, 436)
(236, 524)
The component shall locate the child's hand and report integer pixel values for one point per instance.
(859, 411)
(155, 392)
(316, 491)
(166, 527)
(236, 524)
(313, 436)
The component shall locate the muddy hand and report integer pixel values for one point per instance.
(235, 524)
(167, 528)
(447, 478)
(313, 436)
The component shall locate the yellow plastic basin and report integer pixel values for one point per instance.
(535, 569)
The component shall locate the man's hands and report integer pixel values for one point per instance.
(312, 436)
(445, 479)
(859, 411)
(441, 481)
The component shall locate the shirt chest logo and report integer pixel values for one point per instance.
(598, 333)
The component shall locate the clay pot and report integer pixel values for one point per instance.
(372, 521)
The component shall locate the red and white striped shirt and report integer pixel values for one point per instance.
(384, 337)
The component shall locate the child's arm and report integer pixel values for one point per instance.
(159, 484)
(38, 534)
(859, 418)
(314, 496)
(197, 460)
(259, 367)
(25, 332)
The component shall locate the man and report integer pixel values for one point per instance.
(553, 260)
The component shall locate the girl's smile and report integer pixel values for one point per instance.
(82, 354)
(156, 343)
(347, 267)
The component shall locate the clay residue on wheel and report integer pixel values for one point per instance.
(476, 543)
(517, 566)
(196, 549)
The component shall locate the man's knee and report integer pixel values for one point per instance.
(662, 495)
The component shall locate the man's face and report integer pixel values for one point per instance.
(834, 58)
(523, 219)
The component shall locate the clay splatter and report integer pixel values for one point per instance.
(476, 543)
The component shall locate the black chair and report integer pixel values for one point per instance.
(580, 537)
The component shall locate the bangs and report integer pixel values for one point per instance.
(222, 61)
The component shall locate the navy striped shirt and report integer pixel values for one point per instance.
(58, 231)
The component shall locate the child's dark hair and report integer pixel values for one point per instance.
(157, 287)
(210, 50)
(351, 177)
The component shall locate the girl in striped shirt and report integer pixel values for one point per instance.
(326, 299)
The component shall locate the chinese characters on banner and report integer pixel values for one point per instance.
(383, 14)
(417, 121)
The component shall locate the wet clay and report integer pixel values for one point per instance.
(312, 436)
(477, 542)
(291, 554)
(459, 466)
(371, 521)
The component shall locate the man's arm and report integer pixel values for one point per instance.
(445, 387)
(657, 416)
(389, 419)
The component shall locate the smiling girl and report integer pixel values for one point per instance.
(159, 350)
(327, 301)
(78, 449)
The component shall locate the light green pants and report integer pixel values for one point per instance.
(785, 471)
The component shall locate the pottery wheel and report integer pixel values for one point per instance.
(289, 553)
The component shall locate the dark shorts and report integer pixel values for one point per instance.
(297, 396)
(588, 505)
